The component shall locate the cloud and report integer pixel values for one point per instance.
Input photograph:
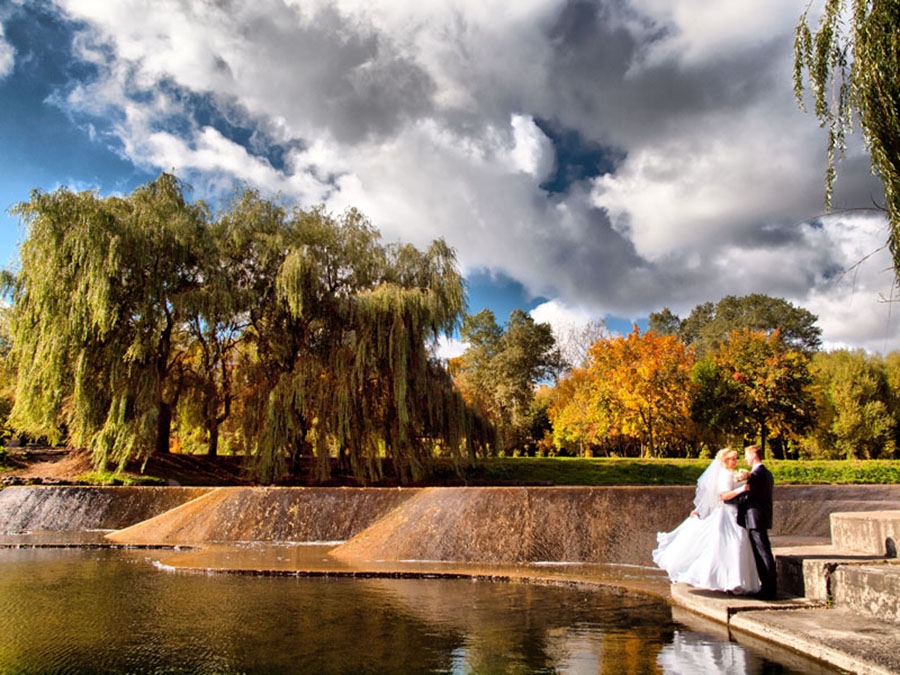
(698, 175)
(7, 55)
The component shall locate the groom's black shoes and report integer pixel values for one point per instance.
(764, 595)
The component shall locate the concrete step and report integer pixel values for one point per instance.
(854, 573)
(871, 532)
(806, 569)
(870, 589)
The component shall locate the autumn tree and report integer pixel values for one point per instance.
(852, 64)
(581, 415)
(760, 386)
(645, 380)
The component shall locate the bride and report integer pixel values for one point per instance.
(709, 549)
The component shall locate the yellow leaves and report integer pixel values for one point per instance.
(634, 385)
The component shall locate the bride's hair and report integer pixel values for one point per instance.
(708, 490)
(723, 453)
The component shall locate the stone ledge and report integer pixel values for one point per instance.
(872, 532)
(837, 636)
(871, 589)
(808, 571)
(721, 607)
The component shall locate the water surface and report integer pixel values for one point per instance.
(115, 611)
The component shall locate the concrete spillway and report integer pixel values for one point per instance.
(490, 525)
(267, 514)
(86, 508)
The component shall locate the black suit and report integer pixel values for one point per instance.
(754, 512)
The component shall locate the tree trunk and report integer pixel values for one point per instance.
(763, 435)
(212, 444)
(163, 427)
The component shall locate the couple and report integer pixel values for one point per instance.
(724, 545)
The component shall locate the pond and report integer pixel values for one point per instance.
(66, 610)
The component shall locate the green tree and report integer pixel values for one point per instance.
(98, 306)
(501, 367)
(714, 405)
(708, 325)
(855, 71)
(129, 310)
(215, 322)
(7, 375)
(339, 333)
(664, 322)
(762, 387)
(852, 398)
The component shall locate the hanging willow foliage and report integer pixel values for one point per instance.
(131, 313)
(96, 316)
(358, 318)
(857, 72)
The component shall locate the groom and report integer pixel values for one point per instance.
(754, 506)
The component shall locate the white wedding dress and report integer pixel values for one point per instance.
(710, 550)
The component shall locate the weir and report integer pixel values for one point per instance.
(87, 508)
(838, 606)
(505, 525)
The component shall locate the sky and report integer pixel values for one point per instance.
(587, 159)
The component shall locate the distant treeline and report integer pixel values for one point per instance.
(148, 324)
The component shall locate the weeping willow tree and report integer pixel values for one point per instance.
(97, 316)
(856, 71)
(337, 363)
(131, 312)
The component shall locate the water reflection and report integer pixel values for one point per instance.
(109, 611)
(696, 653)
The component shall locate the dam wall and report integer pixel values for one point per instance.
(86, 508)
(576, 524)
(485, 524)
(235, 514)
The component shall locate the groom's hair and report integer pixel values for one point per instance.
(756, 450)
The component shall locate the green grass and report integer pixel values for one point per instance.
(615, 471)
(113, 478)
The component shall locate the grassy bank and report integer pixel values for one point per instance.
(608, 471)
(54, 465)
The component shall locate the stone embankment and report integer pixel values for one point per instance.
(839, 602)
(484, 525)
(836, 545)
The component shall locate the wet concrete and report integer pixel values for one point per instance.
(316, 560)
(574, 524)
(86, 508)
(484, 525)
(268, 515)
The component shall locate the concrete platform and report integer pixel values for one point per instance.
(836, 636)
(839, 599)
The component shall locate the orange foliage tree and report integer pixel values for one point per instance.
(634, 388)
